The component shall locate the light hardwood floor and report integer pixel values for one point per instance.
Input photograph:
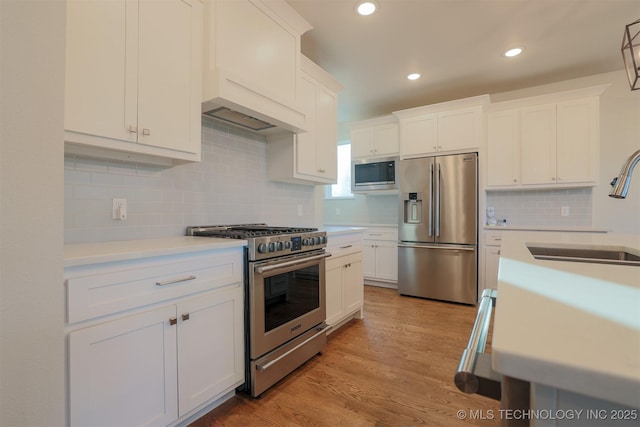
(393, 368)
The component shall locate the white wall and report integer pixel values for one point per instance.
(229, 186)
(31, 204)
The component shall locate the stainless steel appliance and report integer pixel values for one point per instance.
(374, 175)
(438, 228)
(284, 298)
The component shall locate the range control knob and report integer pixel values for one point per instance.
(272, 247)
(323, 239)
(262, 248)
(280, 246)
(305, 242)
(287, 244)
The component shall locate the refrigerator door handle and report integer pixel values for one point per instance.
(444, 247)
(436, 195)
(430, 229)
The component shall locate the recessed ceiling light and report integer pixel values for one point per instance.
(513, 52)
(413, 76)
(366, 8)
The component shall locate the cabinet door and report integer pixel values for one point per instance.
(538, 139)
(334, 292)
(577, 133)
(362, 141)
(306, 142)
(503, 149)
(101, 68)
(327, 134)
(387, 261)
(168, 68)
(458, 129)
(353, 284)
(210, 346)
(491, 264)
(369, 258)
(386, 140)
(419, 135)
(123, 372)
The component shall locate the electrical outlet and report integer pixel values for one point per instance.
(491, 212)
(299, 210)
(564, 211)
(338, 211)
(119, 209)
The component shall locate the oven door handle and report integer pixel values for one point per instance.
(321, 329)
(266, 268)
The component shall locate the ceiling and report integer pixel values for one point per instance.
(457, 46)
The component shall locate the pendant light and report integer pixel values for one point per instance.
(631, 53)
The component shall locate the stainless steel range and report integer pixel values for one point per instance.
(284, 295)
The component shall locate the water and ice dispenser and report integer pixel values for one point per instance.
(413, 208)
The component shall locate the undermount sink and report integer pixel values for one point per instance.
(590, 254)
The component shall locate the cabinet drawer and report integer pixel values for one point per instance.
(493, 238)
(128, 285)
(338, 261)
(344, 243)
(381, 234)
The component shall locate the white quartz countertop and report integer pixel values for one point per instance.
(337, 230)
(77, 254)
(568, 325)
(543, 228)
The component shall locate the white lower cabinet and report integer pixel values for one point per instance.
(154, 364)
(345, 289)
(124, 372)
(343, 273)
(380, 251)
(491, 264)
(492, 242)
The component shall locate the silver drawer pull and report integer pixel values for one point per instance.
(267, 268)
(346, 247)
(170, 282)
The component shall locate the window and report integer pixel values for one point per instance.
(343, 188)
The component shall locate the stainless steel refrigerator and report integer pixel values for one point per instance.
(438, 229)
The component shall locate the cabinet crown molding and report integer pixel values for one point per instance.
(474, 101)
(381, 120)
(548, 98)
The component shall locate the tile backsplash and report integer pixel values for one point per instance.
(543, 207)
(228, 186)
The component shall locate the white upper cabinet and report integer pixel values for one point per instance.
(133, 79)
(252, 60)
(559, 143)
(503, 148)
(544, 144)
(577, 131)
(309, 157)
(376, 137)
(538, 139)
(449, 127)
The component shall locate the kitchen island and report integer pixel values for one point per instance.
(571, 329)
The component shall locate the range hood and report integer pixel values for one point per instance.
(229, 99)
(251, 65)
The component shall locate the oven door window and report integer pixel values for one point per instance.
(290, 295)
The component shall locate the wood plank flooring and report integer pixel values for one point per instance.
(393, 368)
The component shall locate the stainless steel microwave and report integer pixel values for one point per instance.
(374, 174)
